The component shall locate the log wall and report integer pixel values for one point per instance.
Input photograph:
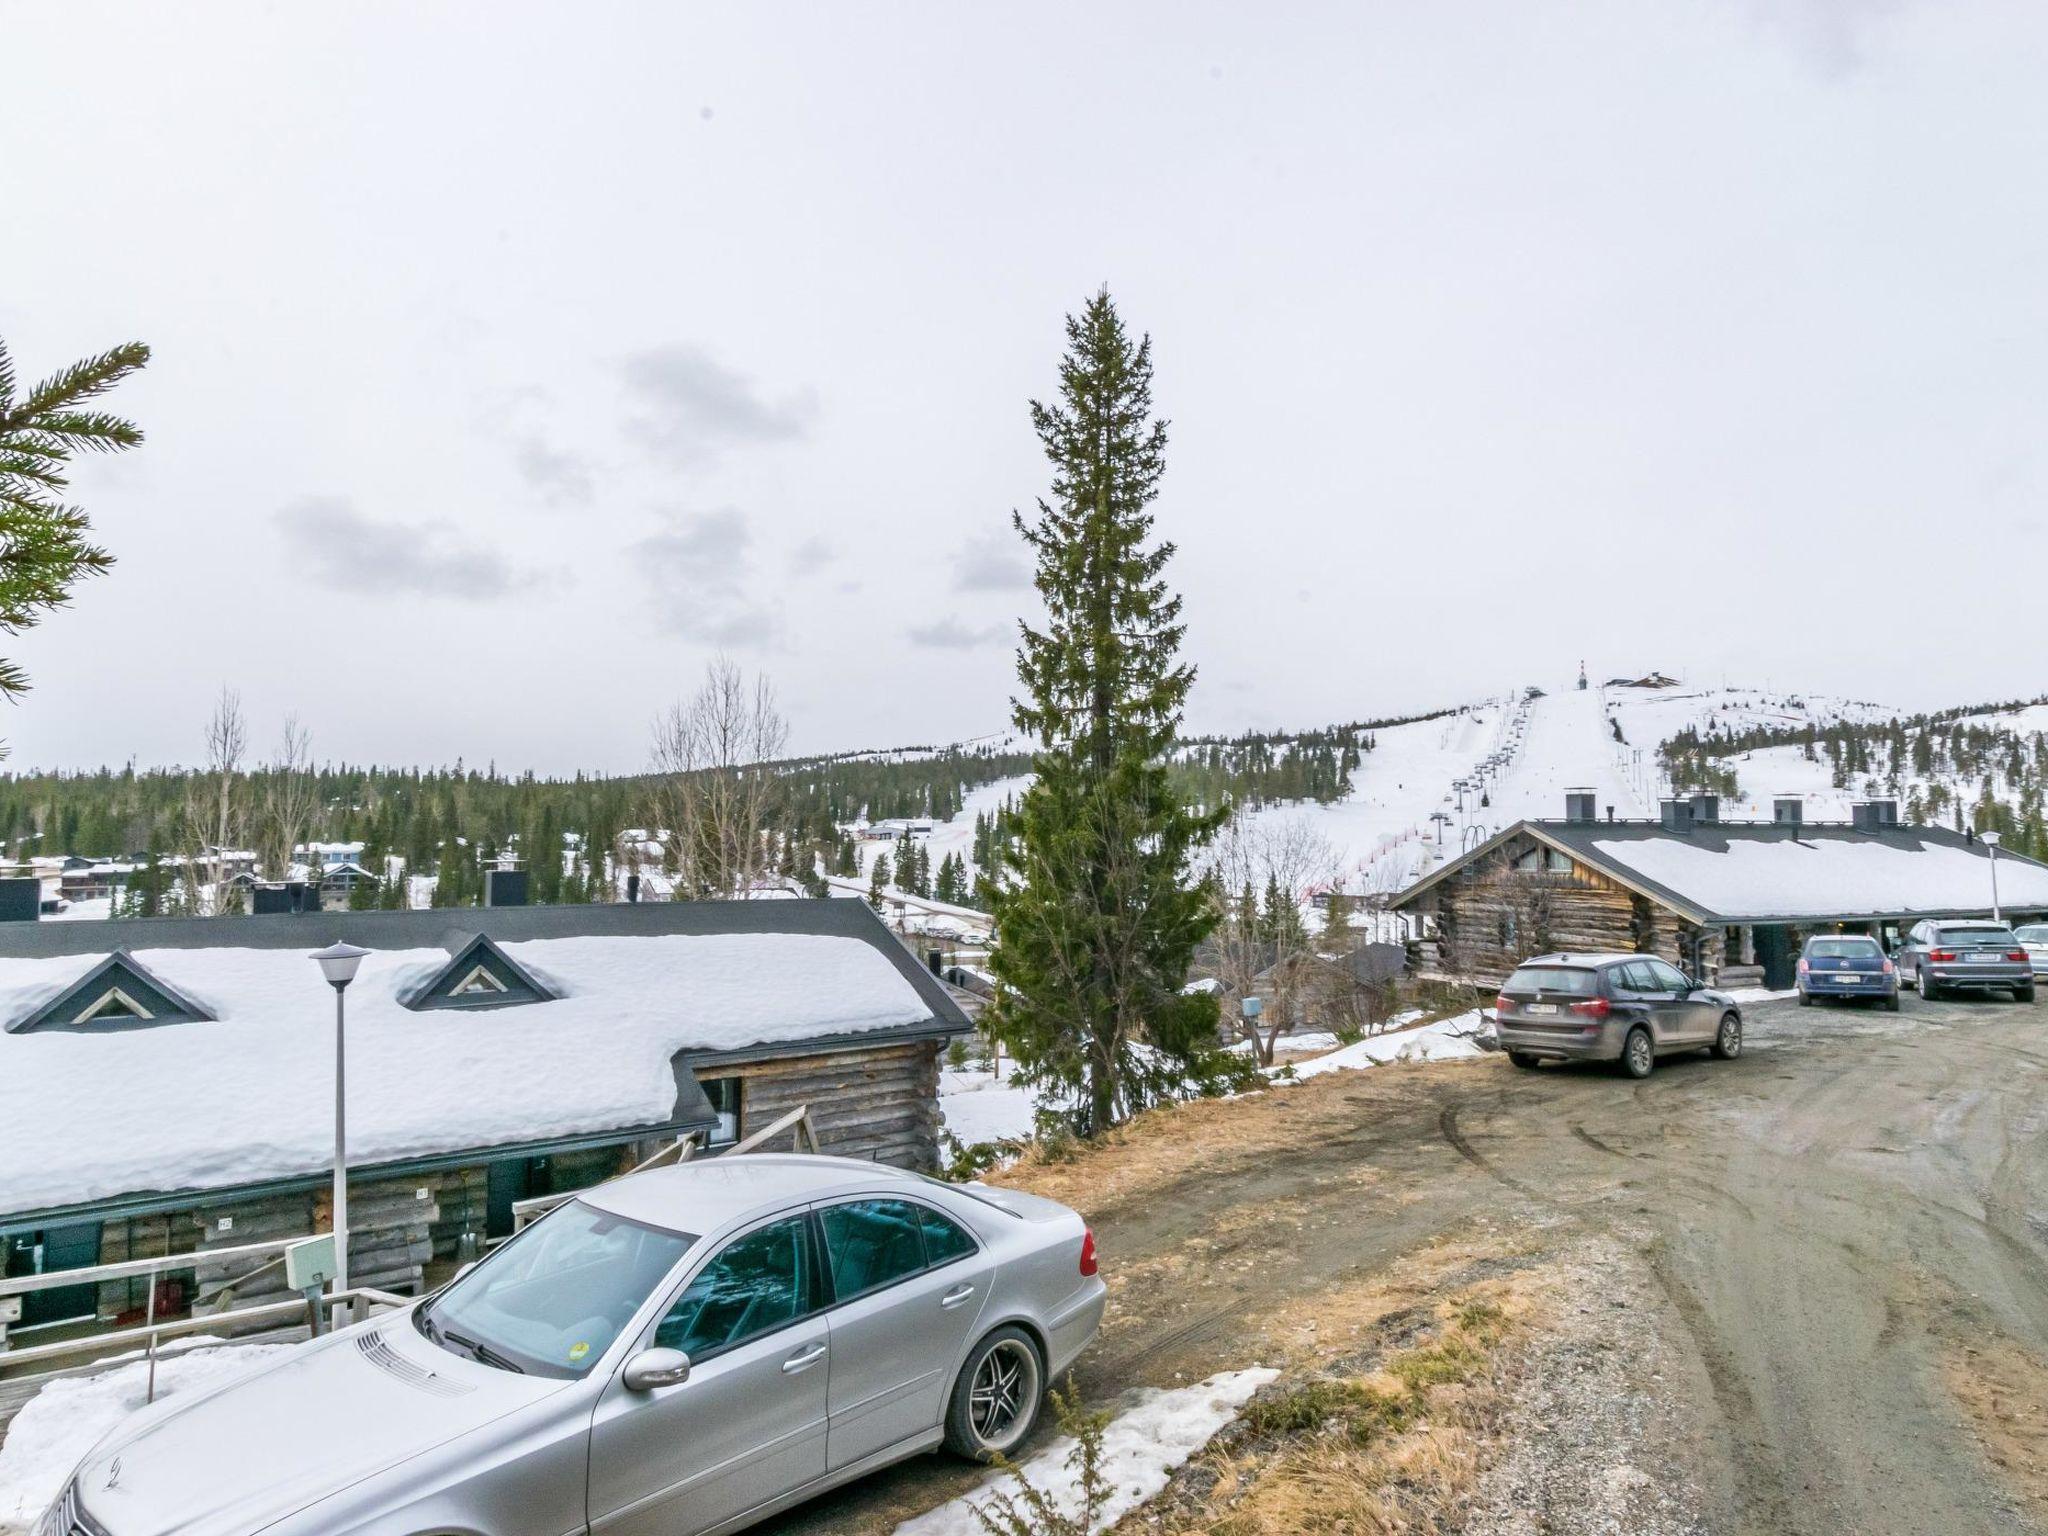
(880, 1104)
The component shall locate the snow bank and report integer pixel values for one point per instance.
(978, 1107)
(1453, 1039)
(249, 1094)
(1140, 1450)
(63, 1421)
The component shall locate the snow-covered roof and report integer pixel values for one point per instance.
(246, 1096)
(1724, 872)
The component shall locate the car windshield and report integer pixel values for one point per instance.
(1843, 949)
(1551, 978)
(2033, 933)
(552, 1300)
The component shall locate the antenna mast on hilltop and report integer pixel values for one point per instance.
(1582, 677)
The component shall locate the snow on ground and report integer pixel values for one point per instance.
(1453, 1039)
(977, 1107)
(1140, 1450)
(92, 909)
(63, 1421)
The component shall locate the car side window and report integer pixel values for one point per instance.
(870, 1244)
(757, 1283)
(1635, 977)
(1668, 978)
(944, 1240)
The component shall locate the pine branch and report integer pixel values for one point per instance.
(81, 381)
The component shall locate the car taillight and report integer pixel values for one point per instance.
(1941, 956)
(1088, 1256)
(2016, 954)
(1503, 1003)
(1592, 1008)
(1889, 967)
(1803, 966)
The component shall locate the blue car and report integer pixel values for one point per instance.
(1847, 965)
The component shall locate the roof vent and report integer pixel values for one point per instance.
(504, 887)
(1677, 816)
(21, 900)
(1788, 810)
(1874, 815)
(1706, 809)
(1580, 806)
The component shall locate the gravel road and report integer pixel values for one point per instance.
(1816, 1294)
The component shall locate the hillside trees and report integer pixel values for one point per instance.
(1095, 934)
(45, 545)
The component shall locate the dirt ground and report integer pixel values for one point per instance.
(1797, 1292)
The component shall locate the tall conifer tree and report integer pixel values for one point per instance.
(1094, 939)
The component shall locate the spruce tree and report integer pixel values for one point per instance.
(1095, 936)
(877, 881)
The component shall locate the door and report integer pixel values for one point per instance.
(45, 1253)
(749, 1424)
(1774, 952)
(1692, 1018)
(909, 1284)
(1638, 982)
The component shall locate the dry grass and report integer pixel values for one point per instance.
(2004, 1392)
(1384, 1417)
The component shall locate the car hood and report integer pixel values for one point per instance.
(317, 1420)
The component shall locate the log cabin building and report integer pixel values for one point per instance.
(1731, 901)
(166, 1084)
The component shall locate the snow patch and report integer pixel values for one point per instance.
(1140, 1450)
(1454, 1039)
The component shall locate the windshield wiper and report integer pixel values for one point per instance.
(483, 1352)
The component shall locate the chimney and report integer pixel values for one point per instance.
(1677, 816)
(1579, 806)
(1886, 812)
(21, 900)
(1706, 810)
(1788, 810)
(1874, 815)
(504, 887)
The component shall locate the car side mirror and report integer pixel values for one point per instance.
(655, 1368)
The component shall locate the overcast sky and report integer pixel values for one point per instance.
(513, 359)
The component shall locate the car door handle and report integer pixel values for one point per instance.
(803, 1360)
(955, 1296)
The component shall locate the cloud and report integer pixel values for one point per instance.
(950, 634)
(991, 563)
(350, 552)
(689, 407)
(1834, 37)
(811, 555)
(559, 479)
(697, 571)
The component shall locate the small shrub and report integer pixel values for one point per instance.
(1031, 1512)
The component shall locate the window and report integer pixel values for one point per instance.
(1636, 976)
(477, 982)
(1666, 978)
(1843, 949)
(944, 1240)
(759, 1281)
(1531, 979)
(724, 1094)
(113, 1004)
(117, 993)
(872, 1243)
(479, 974)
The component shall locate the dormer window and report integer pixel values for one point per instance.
(118, 993)
(480, 975)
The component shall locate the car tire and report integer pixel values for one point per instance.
(1891, 1004)
(1728, 1038)
(1927, 989)
(1638, 1053)
(2024, 994)
(1523, 1060)
(1805, 998)
(997, 1397)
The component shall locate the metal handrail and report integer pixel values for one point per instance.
(128, 1269)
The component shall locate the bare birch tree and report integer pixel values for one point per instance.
(290, 799)
(713, 783)
(1257, 855)
(216, 809)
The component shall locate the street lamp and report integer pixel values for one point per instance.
(338, 963)
(1991, 841)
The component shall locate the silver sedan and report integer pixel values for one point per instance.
(682, 1351)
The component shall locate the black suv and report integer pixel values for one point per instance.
(1626, 1008)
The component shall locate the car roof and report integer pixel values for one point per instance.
(1835, 938)
(712, 1193)
(1588, 961)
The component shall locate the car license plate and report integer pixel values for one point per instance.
(1541, 1008)
(1981, 955)
(1851, 977)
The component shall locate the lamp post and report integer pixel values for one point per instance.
(338, 963)
(1991, 841)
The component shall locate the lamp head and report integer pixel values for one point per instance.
(338, 963)
(1993, 839)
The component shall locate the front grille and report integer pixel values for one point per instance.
(72, 1518)
(374, 1348)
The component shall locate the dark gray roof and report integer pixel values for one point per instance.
(1606, 845)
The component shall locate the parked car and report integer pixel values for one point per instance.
(1626, 1008)
(1847, 965)
(1976, 955)
(683, 1349)
(2033, 939)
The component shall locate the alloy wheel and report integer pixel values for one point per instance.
(1005, 1386)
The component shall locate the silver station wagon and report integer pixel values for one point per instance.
(681, 1351)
